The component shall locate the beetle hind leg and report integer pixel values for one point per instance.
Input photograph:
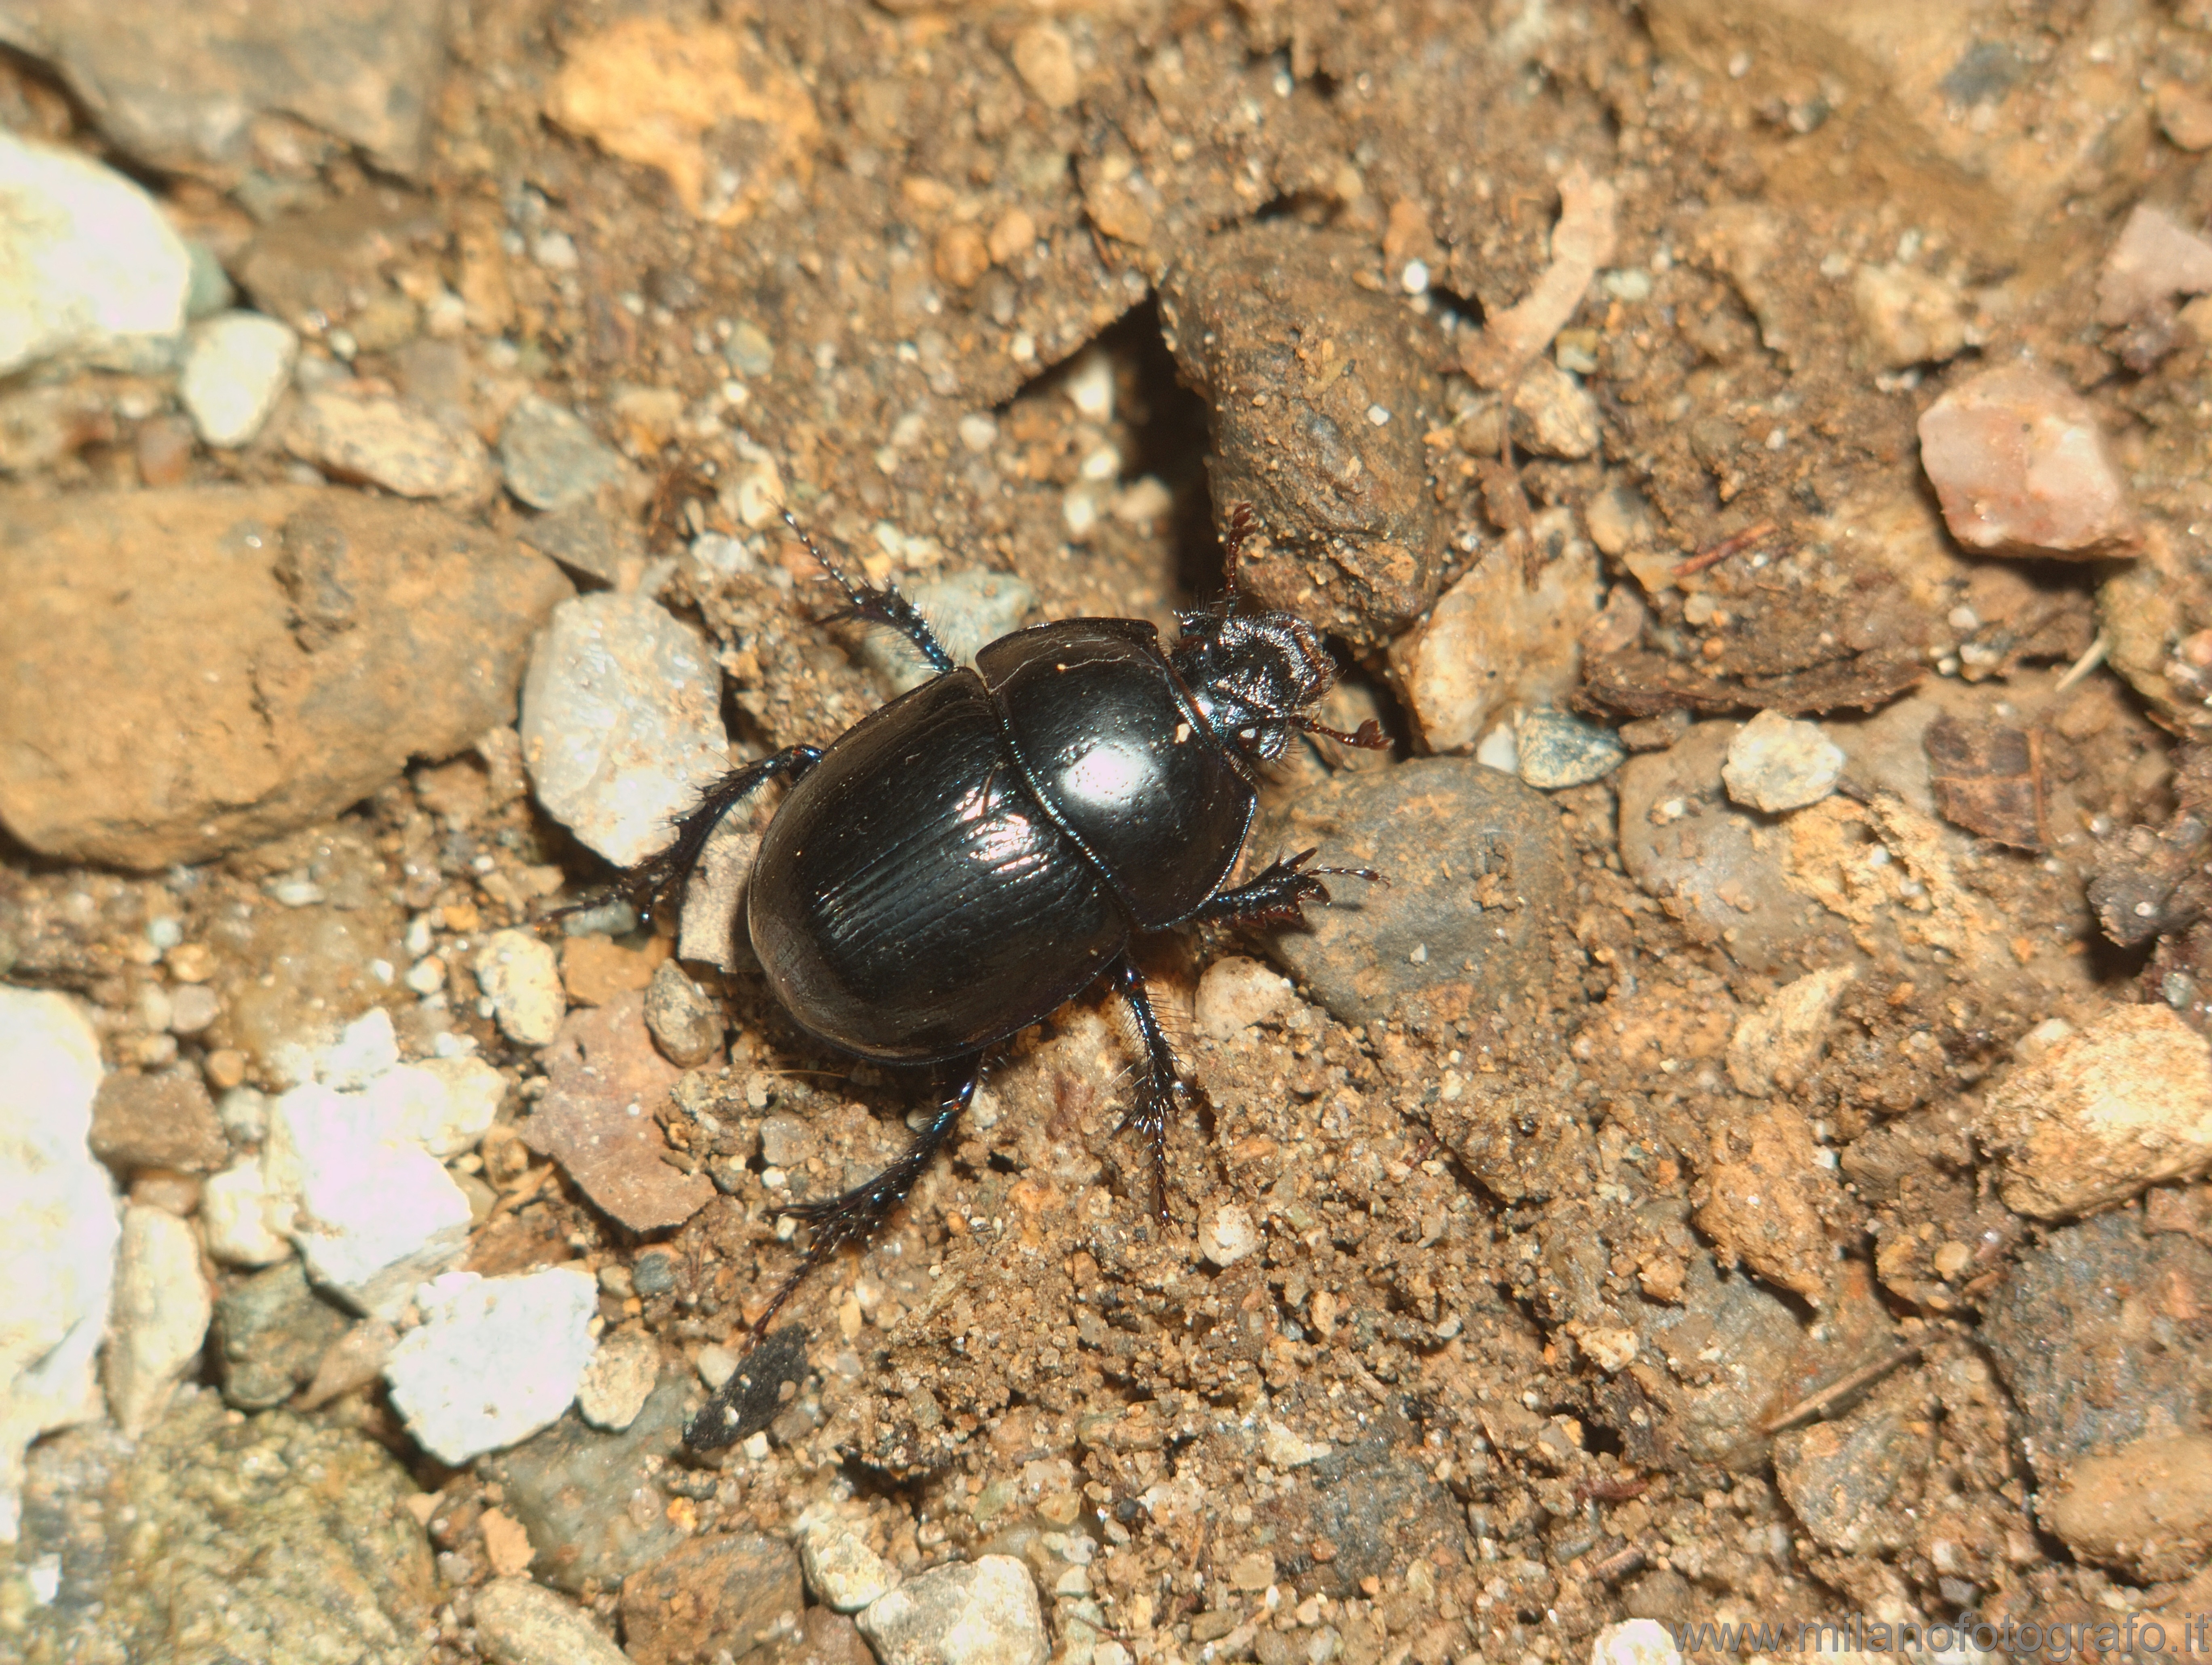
(1161, 1082)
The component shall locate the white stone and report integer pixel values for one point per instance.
(365, 1048)
(1228, 1235)
(236, 367)
(1777, 763)
(1773, 1047)
(519, 975)
(1635, 1642)
(375, 1214)
(841, 1571)
(163, 1308)
(493, 1361)
(443, 1105)
(1237, 993)
(621, 722)
(618, 1380)
(983, 1612)
(86, 258)
(1285, 1448)
(58, 1246)
(240, 1216)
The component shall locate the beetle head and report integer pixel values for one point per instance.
(1253, 675)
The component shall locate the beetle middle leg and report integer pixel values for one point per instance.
(666, 873)
(1156, 1096)
(1279, 892)
(877, 604)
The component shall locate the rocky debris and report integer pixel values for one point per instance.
(2121, 1105)
(840, 1569)
(1378, 1508)
(1761, 1200)
(1772, 1048)
(519, 975)
(161, 1315)
(1582, 242)
(314, 973)
(605, 1083)
(1495, 639)
(1777, 763)
(2122, 1298)
(243, 1220)
(621, 722)
(520, 1623)
(88, 263)
(1320, 393)
(618, 1380)
(2145, 1509)
(324, 269)
(1234, 993)
(592, 540)
(705, 104)
(62, 1228)
(186, 91)
(968, 610)
(983, 1612)
(266, 659)
(1908, 317)
(221, 1526)
(1475, 862)
(2021, 467)
(686, 1021)
(164, 1121)
(1228, 1235)
(1635, 1642)
(595, 970)
(272, 1330)
(410, 449)
(2154, 260)
(1553, 414)
(1553, 750)
(236, 367)
(493, 1361)
(732, 1594)
(556, 1484)
(550, 458)
(373, 1213)
(1854, 1481)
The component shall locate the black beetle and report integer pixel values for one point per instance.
(981, 850)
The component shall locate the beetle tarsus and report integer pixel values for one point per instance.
(879, 604)
(1156, 1095)
(1279, 892)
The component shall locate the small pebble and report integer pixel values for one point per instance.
(192, 1007)
(686, 1021)
(840, 1569)
(493, 1361)
(1237, 993)
(983, 1612)
(654, 1272)
(551, 459)
(618, 1380)
(1554, 414)
(244, 1113)
(2155, 260)
(1777, 763)
(407, 449)
(2021, 467)
(1635, 1642)
(237, 366)
(235, 1214)
(159, 1316)
(1228, 1235)
(521, 1623)
(750, 352)
(1553, 750)
(519, 974)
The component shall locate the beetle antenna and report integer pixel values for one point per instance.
(1243, 522)
(1368, 737)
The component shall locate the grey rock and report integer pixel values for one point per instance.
(551, 459)
(261, 1536)
(1555, 750)
(1476, 862)
(686, 1021)
(520, 1623)
(983, 1612)
(164, 1121)
(236, 367)
(653, 1272)
(1378, 1508)
(2127, 1366)
(621, 722)
(181, 87)
(1854, 1481)
(159, 1316)
(62, 1227)
(272, 1330)
(86, 261)
(589, 539)
(268, 657)
(557, 1483)
(719, 1597)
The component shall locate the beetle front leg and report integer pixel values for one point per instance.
(879, 604)
(1156, 1097)
(1279, 894)
(849, 1218)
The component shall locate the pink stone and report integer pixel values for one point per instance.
(2021, 469)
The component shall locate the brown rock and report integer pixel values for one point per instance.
(1321, 393)
(2104, 1113)
(1046, 62)
(184, 673)
(595, 970)
(596, 1118)
(410, 449)
(1761, 1205)
(2020, 467)
(157, 1122)
(731, 1594)
(317, 268)
(2146, 1508)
